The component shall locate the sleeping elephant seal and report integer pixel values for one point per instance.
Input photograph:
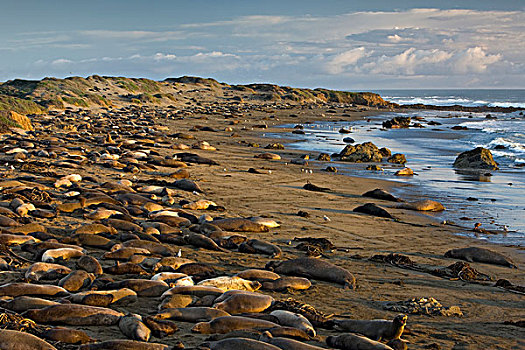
(314, 268)
(67, 335)
(291, 319)
(374, 329)
(475, 254)
(240, 343)
(75, 315)
(191, 314)
(226, 324)
(351, 341)
(244, 302)
(15, 340)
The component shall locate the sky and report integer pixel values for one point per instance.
(346, 45)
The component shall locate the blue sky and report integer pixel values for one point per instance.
(350, 45)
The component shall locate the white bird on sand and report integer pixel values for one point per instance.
(326, 218)
(179, 254)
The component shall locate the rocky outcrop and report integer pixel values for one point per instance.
(478, 158)
(12, 119)
(361, 153)
(397, 123)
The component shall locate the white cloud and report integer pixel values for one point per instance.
(338, 63)
(474, 60)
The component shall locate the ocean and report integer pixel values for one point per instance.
(496, 199)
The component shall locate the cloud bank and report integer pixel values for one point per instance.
(419, 48)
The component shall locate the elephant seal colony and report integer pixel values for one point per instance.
(136, 227)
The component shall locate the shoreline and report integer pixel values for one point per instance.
(280, 196)
(324, 138)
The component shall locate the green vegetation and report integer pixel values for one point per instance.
(76, 101)
(19, 105)
(6, 122)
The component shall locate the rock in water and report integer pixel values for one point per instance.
(478, 158)
(361, 153)
(397, 123)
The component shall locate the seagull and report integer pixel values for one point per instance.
(476, 226)
(179, 254)
(326, 218)
(505, 228)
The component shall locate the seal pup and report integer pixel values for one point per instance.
(67, 335)
(314, 268)
(20, 288)
(476, 254)
(355, 342)
(374, 329)
(260, 246)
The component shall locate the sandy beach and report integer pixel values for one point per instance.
(276, 192)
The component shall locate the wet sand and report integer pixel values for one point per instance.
(280, 196)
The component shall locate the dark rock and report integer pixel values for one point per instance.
(459, 127)
(372, 209)
(374, 167)
(397, 123)
(364, 152)
(325, 157)
(344, 131)
(274, 146)
(500, 147)
(385, 152)
(397, 158)
(298, 131)
(348, 140)
(478, 158)
(331, 169)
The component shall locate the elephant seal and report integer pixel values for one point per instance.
(374, 329)
(258, 275)
(23, 303)
(355, 342)
(475, 254)
(46, 271)
(291, 319)
(61, 254)
(121, 344)
(67, 335)
(199, 291)
(287, 283)
(75, 315)
(239, 225)
(132, 327)
(122, 296)
(314, 268)
(244, 302)
(287, 344)
(76, 280)
(143, 287)
(160, 328)
(373, 209)
(422, 205)
(227, 283)
(90, 264)
(379, 193)
(240, 343)
(259, 246)
(192, 314)
(19, 288)
(227, 324)
(15, 340)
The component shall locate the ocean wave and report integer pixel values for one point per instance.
(516, 146)
(450, 101)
